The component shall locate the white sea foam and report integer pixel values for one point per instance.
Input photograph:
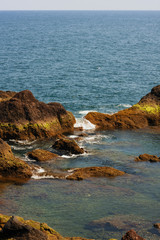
(84, 123)
(22, 142)
(85, 112)
(38, 177)
(124, 105)
(20, 147)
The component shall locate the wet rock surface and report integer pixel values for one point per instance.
(16, 228)
(68, 146)
(147, 157)
(89, 172)
(41, 155)
(145, 113)
(24, 117)
(10, 166)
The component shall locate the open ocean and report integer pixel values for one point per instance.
(89, 61)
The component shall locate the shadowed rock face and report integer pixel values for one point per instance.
(16, 228)
(144, 114)
(11, 166)
(68, 146)
(88, 172)
(24, 117)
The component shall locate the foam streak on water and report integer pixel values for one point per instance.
(84, 123)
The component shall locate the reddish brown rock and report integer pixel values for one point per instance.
(144, 114)
(41, 155)
(147, 157)
(67, 145)
(24, 117)
(10, 166)
(157, 225)
(4, 96)
(132, 235)
(88, 172)
(16, 228)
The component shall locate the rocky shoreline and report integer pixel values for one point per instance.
(22, 117)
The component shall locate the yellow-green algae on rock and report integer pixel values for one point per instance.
(49, 232)
(23, 117)
(144, 114)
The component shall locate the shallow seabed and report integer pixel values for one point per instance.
(129, 201)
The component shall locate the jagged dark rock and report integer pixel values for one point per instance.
(67, 145)
(24, 117)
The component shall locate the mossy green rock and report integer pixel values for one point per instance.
(35, 230)
(144, 114)
(23, 117)
(10, 166)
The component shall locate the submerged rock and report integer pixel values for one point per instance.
(88, 172)
(144, 114)
(10, 166)
(24, 117)
(41, 155)
(147, 157)
(67, 145)
(132, 235)
(16, 228)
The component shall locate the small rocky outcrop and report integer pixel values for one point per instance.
(16, 228)
(145, 113)
(68, 146)
(89, 172)
(24, 117)
(147, 157)
(132, 235)
(157, 225)
(41, 155)
(10, 166)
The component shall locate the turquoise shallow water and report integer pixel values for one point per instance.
(103, 61)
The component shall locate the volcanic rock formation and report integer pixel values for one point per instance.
(145, 113)
(24, 117)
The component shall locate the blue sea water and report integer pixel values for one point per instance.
(87, 60)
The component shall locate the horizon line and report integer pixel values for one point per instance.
(93, 10)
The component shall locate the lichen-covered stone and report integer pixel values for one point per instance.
(145, 113)
(24, 117)
(16, 228)
(10, 166)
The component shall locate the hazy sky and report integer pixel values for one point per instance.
(79, 4)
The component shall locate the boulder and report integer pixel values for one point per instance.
(88, 172)
(68, 146)
(132, 235)
(24, 117)
(10, 166)
(17, 228)
(41, 155)
(147, 157)
(146, 113)
(157, 225)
